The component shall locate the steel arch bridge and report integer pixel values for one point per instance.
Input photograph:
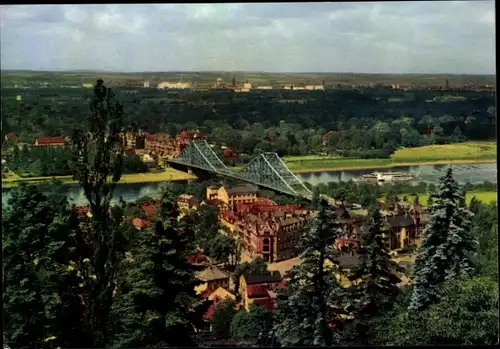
(265, 170)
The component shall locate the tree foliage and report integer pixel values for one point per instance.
(42, 306)
(375, 282)
(311, 302)
(447, 245)
(156, 303)
(249, 324)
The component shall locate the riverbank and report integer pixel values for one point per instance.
(458, 154)
(169, 174)
(366, 164)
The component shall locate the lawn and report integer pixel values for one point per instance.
(168, 174)
(469, 152)
(484, 196)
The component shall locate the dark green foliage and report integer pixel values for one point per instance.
(447, 245)
(466, 314)
(222, 318)
(97, 165)
(256, 266)
(216, 245)
(156, 304)
(312, 300)
(42, 161)
(368, 125)
(248, 325)
(41, 297)
(375, 283)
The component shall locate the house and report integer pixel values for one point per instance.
(213, 278)
(186, 202)
(198, 258)
(405, 225)
(217, 296)
(271, 232)
(50, 141)
(149, 207)
(140, 223)
(233, 194)
(259, 289)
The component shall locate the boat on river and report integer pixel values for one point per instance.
(381, 177)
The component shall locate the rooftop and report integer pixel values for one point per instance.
(271, 277)
(244, 188)
(212, 273)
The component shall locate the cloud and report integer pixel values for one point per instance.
(392, 37)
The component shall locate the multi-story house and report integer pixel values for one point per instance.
(271, 235)
(232, 195)
(50, 142)
(405, 225)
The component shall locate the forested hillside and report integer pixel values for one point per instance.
(365, 123)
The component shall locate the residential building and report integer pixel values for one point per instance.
(233, 194)
(174, 85)
(259, 289)
(162, 146)
(186, 202)
(217, 296)
(50, 142)
(405, 225)
(213, 278)
(272, 235)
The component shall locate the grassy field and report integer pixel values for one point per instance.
(168, 175)
(484, 196)
(470, 152)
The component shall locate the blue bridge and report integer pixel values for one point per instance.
(265, 170)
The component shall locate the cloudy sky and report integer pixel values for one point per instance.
(372, 37)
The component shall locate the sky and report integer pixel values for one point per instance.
(455, 37)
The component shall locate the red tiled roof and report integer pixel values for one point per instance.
(257, 291)
(346, 242)
(50, 140)
(149, 209)
(81, 210)
(230, 215)
(205, 294)
(11, 137)
(269, 303)
(140, 223)
(183, 134)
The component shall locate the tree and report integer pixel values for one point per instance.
(97, 165)
(222, 318)
(256, 266)
(315, 197)
(156, 303)
(248, 325)
(221, 248)
(375, 282)
(447, 244)
(310, 304)
(465, 304)
(41, 301)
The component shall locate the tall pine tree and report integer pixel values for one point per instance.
(311, 300)
(97, 165)
(375, 282)
(447, 244)
(156, 304)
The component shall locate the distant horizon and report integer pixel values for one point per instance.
(235, 72)
(390, 38)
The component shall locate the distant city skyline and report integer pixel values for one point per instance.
(440, 37)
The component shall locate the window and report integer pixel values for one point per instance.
(266, 245)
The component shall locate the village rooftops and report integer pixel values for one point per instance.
(399, 221)
(268, 278)
(212, 273)
(241, 189)
(49, 141)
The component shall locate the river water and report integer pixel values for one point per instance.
(473, 173)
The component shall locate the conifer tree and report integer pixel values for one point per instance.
(41, 303)
(447, 244)
(97, 166)
(375, 282)
(156, 304)
(311, 300)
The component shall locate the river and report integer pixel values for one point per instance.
(473, 173)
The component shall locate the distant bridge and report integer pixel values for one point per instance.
(265, 170)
